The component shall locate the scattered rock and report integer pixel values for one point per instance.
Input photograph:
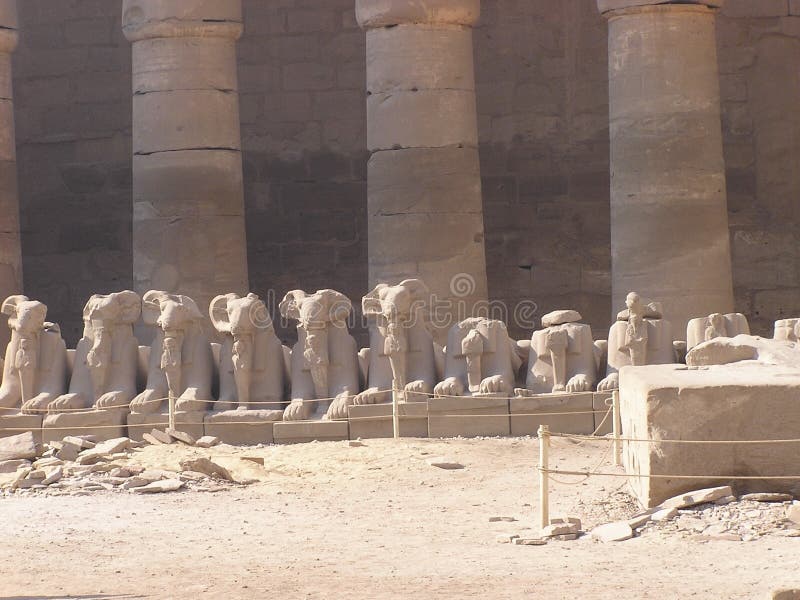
(207, 467)
(182, 436)
(506, 538)
(162, 437)
(698, 497)
(641, 519)
(10, 466)
(192, 476)
(613, 532)
(567, 537)
(156, 474)
(572, 526)
(50, 461)
(119, 472)
(665, 514)
(53, 476)
(68, 452)
(259, 460)
(767, 497)
(80, 442)
(207, 441)
(18, 446)
(37, 474)
(793, 514)
(150, 439)
(442, 463)
(725, 500)
(157, 487)
(356, 444)
(135, 482)
(529, 542)
(504, 519)
(113, 446)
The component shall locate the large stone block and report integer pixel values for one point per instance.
(375, 420)
(468, 416)
(242, 427)
(527, 414)
(385, 13)
(744, 401)
(419, 57)
(425, 118)
(189, 421)
(16, 424)
(605, 6)
(297, 432)
(103, 424)
(186, 120)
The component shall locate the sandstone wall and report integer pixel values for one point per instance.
(541, 68)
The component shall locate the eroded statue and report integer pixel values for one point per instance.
(562, 356)
(181, 360)
(35, 367)
(401, 348)
(324, 361)
(104, 372)
(640, 336)
(713, 326)
(480, 359)
(787, 329)
(251, 363)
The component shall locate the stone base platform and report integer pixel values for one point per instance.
(103, 424)
(602, 401)
(526, 421)
(242, 427)
(468, 416)
(296, 432)
(189, 421)
(14, 424)
(741, 401)
(375, 420)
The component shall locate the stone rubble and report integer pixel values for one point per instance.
(78, 465)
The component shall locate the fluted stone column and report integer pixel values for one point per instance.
(10, 248)
(424, 189)
(188, 205)
(669, 220)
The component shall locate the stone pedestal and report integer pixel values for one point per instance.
(189, 421)
(10, 248)
(729, 402)
(296, 432)
(16, 424)
(188, 200)
(527, 414)
(103, 424)
(425, 213)
(669, 220)
(468, 416)
(375, 420)
(602, 401)
(242, 427)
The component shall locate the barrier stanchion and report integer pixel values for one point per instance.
(544, 496)
(395, 409)
(617, 428)
(171, 410)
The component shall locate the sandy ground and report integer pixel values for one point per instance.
(329, 520)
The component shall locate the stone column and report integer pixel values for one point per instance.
(669, 219)
(188, 200)
(10, 246)
(424, 188)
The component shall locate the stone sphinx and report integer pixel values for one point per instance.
(480, 359)
(562, 356)
(640, 336)
(35, 367)
(787, 329)
(251, 365)
(713, 326)
(324, 362)
(104, 371)
(181, 361)
(401, 348)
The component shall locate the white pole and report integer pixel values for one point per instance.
(544, 477)
(171, 410)
(395, 409)
(617, 428)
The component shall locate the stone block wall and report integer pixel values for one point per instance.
(541, 69)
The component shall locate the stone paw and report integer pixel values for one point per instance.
(495, 384)
(579, 383)
(65, 403)
(609, 384)
(449, 387)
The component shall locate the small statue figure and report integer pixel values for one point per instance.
(713, 326)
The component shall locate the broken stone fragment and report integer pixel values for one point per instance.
(613, 532)
(181, 436)
(665, 514)
(499, 519)
(69, 452)
(157, 487)
(697, 497)
(81, 442)
(53, 476)
(161, 437)
(445, 464)
(207, 441)
(767, 497)
(207, 467)
(9, 466)
(529, 542)
(18, 446)
(150, 439)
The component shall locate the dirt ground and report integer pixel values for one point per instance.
(330, 520)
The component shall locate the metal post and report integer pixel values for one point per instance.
(617, 428)
(544, 477)
(396, 409)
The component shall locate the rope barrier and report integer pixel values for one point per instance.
(644, 476)
(667, 441)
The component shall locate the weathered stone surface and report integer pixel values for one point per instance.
(445, 464)
(294, 432)
(157, 487)
(468, 416)
(559, 317)
(707, 399)
(189, 421)
(103, 424)
(10, 466)
(242, 427)
(385, 13)
(20, 446)
(11, 425)
(207, 467)
(767, 497)
(375, 420)
(669, 159)
(181, 436)
(207, 441)
(151, 439)
(162, 436)
(525, 421)
(603, 419)
(613, 532)
(605, 6)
